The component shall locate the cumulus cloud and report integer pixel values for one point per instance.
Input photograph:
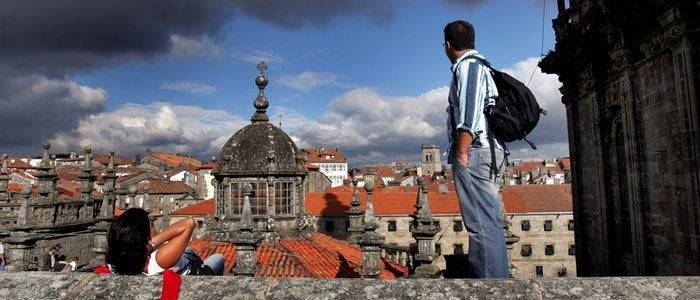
(33, 107)
(552, 129)
(307, 80)
(131, 128)
(256, 56)
(189, 86)
(47, 41)
(371, 127)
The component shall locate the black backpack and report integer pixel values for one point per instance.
(516, 112)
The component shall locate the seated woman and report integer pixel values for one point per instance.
(134, 247)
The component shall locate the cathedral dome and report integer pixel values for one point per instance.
(260, 148)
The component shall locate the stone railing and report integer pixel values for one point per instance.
(398, 254)
(44, 285)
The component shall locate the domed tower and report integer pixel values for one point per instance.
(264, 156)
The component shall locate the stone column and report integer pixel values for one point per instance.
(370, 241)
(245, 239)
(21, 243)
(424, 230)
(354, 213)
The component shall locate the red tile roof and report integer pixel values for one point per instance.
(313, 256)
(565, 163)
(318, 155)
(175, 160)
(162, 186)
(537, 198)
(104, 159)
(16, 163)
(201, 208)
(207, 165)
(336, 201)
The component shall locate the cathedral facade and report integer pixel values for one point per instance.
(630, 72)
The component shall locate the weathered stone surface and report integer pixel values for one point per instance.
(45, 285)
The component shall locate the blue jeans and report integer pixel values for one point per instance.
(214, 261)
(480, 203)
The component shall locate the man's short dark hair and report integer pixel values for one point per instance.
(460, 34)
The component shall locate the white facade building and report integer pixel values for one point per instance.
(330, 162)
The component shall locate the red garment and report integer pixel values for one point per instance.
(171, 282)
(171, 285)
(102, 269)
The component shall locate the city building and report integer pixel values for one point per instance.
(330, 162)
(430, 160)
(541, 171)
(629, 71)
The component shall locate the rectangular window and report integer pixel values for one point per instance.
(438, 249)
(548, 225)
(572, 249)
(284, 197)
(330, 226)
(436, 223)
(258, 197)
(391, 226)
(458, 249)
(549, 250)
(539, 272)
(571, 225)
(457, 226)
(525, 225)
(526, 250)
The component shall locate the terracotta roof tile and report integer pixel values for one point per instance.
(318, 155)
(201, 208)
(175, 160)
(314, 256)
(537, 198)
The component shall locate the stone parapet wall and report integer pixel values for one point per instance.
(44, 285)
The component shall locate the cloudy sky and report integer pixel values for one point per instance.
(366, 76)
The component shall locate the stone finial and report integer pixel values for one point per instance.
(261, 104)
(4, 179)
(3, 170)
(46, 175)
(370, 241)
(424, 229)
(110, 164)
(87, 165)
(46, 158)
(245, 240)
(354, 215)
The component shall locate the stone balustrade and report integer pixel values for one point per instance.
(45, 285)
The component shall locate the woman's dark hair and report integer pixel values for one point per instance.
(460, 34)
(127, 242)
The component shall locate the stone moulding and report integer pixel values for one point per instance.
(33, 285)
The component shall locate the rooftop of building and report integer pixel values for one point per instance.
(325, 155)
(174, 160)
(315, 255)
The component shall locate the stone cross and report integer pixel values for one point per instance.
(261, 104)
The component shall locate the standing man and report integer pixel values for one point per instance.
(471, 154)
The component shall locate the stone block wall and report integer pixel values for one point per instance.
(44, 285)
